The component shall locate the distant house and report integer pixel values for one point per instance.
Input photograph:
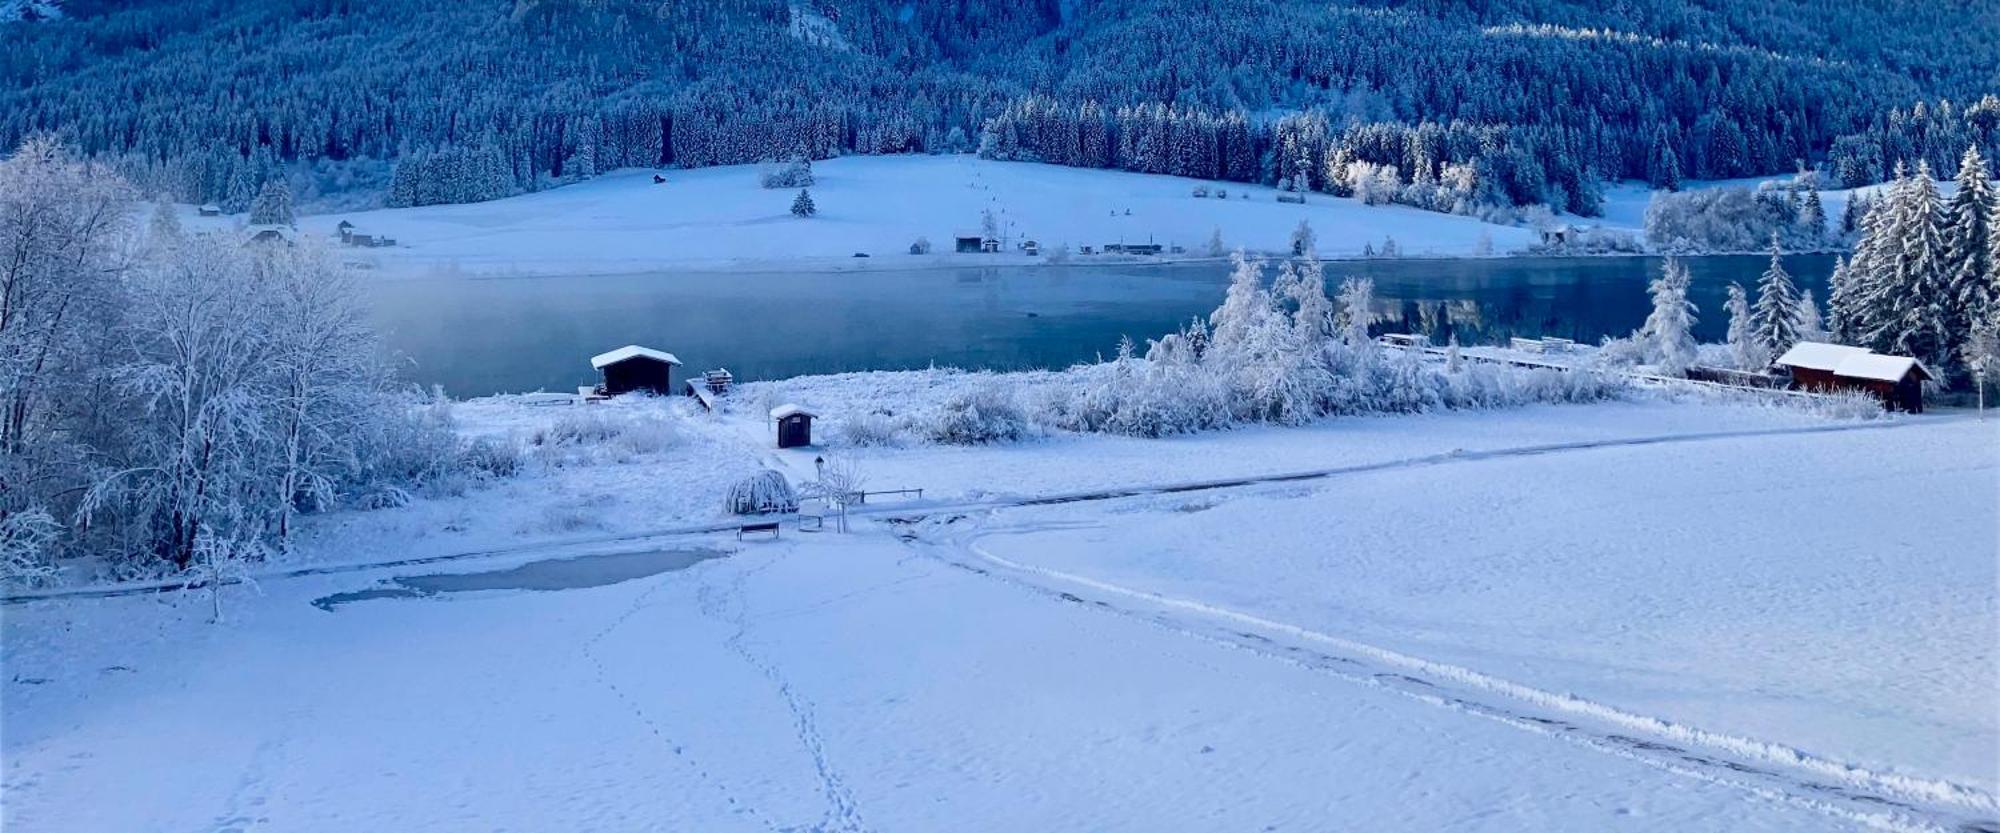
(990, 245)
(1031, 248)
(269, 236)
(1896, 380)
(969, 242)
(345, 229)
(634, 368)
(209, 210)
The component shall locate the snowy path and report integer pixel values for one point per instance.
(1771, 771)
(629, 541)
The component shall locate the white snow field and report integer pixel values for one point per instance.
(721, 218)
(1633, 616)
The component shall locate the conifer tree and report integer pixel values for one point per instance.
(1812, 220)
(1971, 243)
(1775, 321)
(803, 206)
(1744, 347)
(273, 205)
(1669, 330)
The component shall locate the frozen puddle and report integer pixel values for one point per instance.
(551, 574)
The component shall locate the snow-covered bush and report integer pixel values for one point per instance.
(25, 543)
(598, 435)
(765, 491)
(985, 414)
(797, 173)
(869, 430)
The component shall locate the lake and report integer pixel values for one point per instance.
(478, 336)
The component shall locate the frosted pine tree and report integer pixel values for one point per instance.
(1861, 300)
(1668, 333)
(273, 205)
(1812, 220)
(1812, 327)
(802, 206)
(1216, 248)
(1915, 291)
(1971, 243)
(1775, 321)
(1744, 347)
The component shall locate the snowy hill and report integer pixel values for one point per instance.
(879, 205)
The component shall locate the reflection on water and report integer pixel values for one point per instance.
(552, 574)
(481, 336)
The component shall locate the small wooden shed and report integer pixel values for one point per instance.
(794, 426)
(633, 368)
(1897, 380)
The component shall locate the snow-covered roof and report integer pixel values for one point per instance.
(632, 351)
(1879, 367)
(789, 410)
(1818, 355)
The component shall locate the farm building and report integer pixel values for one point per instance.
(269, 235)
(634, 368)
(794, 425)
(968, 242)
(1897, 380)
(209, 210)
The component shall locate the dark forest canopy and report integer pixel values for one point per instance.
(206, 99)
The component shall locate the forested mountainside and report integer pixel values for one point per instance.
(1536, 100)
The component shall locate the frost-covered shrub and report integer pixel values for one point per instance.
(765, 491)
(416, 450)
(489, 457)
(797, 173)
(986, 414)
(869, 430)
(25, 542)
(595, 435)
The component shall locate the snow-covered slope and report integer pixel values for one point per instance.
(721, 218)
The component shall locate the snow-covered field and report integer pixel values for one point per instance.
(1640, 615)
(720, 218)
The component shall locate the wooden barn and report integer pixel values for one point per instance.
(634, 368)
(1897, 380)
(968, 242)
(794, 426)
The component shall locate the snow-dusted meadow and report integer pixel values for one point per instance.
(721, 218)
(1646, 614)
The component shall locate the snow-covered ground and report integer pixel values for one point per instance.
(721, 218)
(1640, 615)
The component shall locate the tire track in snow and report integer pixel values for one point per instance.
(1770, 771)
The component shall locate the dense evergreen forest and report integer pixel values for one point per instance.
(1451, 104)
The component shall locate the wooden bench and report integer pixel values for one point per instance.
(769, 526)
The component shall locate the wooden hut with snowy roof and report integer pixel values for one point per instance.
(1896, 380)
(795, 425)
(633, 368)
